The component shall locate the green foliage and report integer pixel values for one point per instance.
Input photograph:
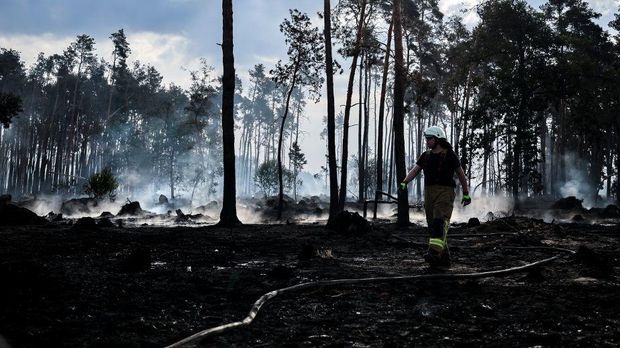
(266, 178)
(298, 158)
(305, 52)
(101, 184)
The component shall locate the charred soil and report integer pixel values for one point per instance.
(87, 285)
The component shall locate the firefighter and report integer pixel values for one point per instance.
(439, 164)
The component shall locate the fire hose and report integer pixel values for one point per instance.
(322, 283)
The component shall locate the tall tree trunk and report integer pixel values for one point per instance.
(347, 111)
(399, 134)
(171, 172)
(520, 128)
(390, 182)
(280, 181)
(419, 153)
(366, 123)
(386, 63)
(617, 124)
(331, 116)
(112, 83)
(360, 154)
(228, 215)
(485, 159)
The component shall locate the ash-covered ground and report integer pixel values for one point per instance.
(107, 281)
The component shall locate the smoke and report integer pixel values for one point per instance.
(578, 183)
(311, 185)
(43, 204)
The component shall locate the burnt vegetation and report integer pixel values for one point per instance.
(134, 213)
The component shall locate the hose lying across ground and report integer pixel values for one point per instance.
(454, 276)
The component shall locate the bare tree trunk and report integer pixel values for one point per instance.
(419, 153)
(347, 110)
(617, 160)
(366, 123)
(386, 63)
(391, 154)
(360, 151)
(399, 135)
(288, 99)
(171, 173)
(331, 116)
(228, 215)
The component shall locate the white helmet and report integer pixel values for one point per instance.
(435, 131)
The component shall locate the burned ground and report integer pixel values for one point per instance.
(87, 285)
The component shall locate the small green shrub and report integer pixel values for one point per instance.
(266, 178)
(101, 184)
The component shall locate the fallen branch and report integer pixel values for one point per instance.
(261, 301)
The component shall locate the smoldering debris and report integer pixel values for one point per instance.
(53, 217)
(308, 209)
(86, 222)
(79, 206)
(609, 212)
(131, 209)
(569, 208)
(105, 222)
(473, 222)
(132, 275)
(569, 203)
(13, 215)
(183, 218)
(348, 223)
(5, 199)
(211, 206)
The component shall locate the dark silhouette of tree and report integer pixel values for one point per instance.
(512, 40)
(228, 215)
(528, 94)
(119, 72)
(11, 76)
(399, 134)
(331, 115)
(355, 50)
(580, 92)
(616, 25)
(10, 106)
(380, 141)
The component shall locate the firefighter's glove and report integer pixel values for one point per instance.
(466, 200)
(403, 186)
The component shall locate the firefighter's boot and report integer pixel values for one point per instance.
(438, 255)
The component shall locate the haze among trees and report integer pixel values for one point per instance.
(527, 95)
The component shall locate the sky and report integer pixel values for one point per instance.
(173, 35)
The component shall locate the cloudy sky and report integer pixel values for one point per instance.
(173, 35)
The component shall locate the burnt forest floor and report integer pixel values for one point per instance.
(78, 286)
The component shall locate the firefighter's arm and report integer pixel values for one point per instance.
(463, 180)
(410, 176)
